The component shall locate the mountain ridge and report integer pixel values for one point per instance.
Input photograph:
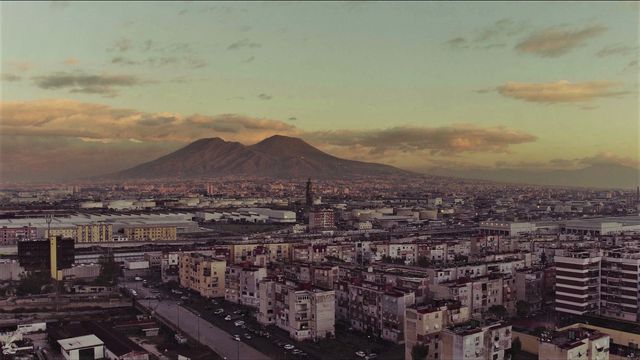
(277, 156)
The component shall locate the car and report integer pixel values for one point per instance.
(361, 354)
(371, 356)
(137, 278)
(184, 298)
(296, 351)
(289, 347)
(238, 323)
(237, 312)
(236, 337)
(219, 312)
(247, 336)
(228, 317)
(214, 302)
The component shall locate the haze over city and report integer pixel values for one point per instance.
(471, 90)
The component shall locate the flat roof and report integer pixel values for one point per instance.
(80, 342)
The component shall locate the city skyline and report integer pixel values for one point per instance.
(89, 89)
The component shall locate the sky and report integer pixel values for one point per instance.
(91, 88)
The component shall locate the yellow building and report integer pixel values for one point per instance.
(65, 232)
(203, 274)
(93, 233)
(151, 233)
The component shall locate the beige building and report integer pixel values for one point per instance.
(65, 232)
(574, 343)
(242, 284)
(203, 274)
(305, 312)
(423, 324)
(93, 233)
(151, 233)
(257, 254)
(470, 342)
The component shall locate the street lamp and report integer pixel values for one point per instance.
(198, 315)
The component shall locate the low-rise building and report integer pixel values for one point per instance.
(203, 274)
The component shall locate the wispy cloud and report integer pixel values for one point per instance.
(621, 50)
(244, 43)
(491, 36)
(557, 41)
(560, 91)
(265, 97)
(86, 83)
(121, 45)
(10, 77)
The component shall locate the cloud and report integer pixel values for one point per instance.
(560, 91)
(556, 41)
(71, 61)
(70, 118)
(86, 83)
(621, 50)
(437, 140)
(489, 37)
(121, 45)
(457, 43)
(21, 66)
(632, 65)
(248, 60)
(293, 118)
(244, 43)
(265, 97)
(10, 77)
(608, 158)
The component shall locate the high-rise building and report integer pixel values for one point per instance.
(620, 284)
(52, 255)
(578, 282)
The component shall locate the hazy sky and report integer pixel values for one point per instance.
(90, 88)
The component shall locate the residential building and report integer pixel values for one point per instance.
(11, 235)
(93, 233)
(574, 343)
(578, 281)
(471, 341)
(150, 233)
(203, 274)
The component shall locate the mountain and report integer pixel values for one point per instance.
(596, 176)
(274, 157)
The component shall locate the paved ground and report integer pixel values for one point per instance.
(193, 325)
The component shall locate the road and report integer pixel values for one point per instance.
(196, 327)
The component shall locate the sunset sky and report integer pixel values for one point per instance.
(90, 88)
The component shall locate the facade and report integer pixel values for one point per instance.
(321, 220)
(469, 341)
(242, 284)
(37, 255)
(11, 235)
(151, 233)
(620, 284)
(424, 323)
(93, 233)
(203, 274)
(305, 312)
(578, 282)
(170, 267)
(530, 288)
(66, 232)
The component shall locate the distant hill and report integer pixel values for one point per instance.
(597, 176)
(276, 157)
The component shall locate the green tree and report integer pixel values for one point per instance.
(419, 352)
(33, 282)
(498, 311)
(109, 270)
(543, 258)
(523, 308)
(423, 261)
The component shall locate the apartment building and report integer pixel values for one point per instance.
(470, 341)
(321, 220)
(64, 232)
(574, 343)
(304, 311)
(94, 233)
(578, 281)
(151, 233)
(620, 284)
(203, 274)
(530, 288)
(242, 284)
(478, 294)
(423, 324)
(374, 308)
(11, 235)
(253, 253)
(170, 267)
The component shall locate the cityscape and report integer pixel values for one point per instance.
(199, 180)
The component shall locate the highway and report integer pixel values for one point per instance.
(196, 327)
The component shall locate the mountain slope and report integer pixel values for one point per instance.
(275, 157)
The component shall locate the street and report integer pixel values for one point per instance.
(193, 325)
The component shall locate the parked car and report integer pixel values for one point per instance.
(238, 323)
(236, 337)
(361, 354)
(289, 347)
(371, 356)
(247, 336)
(219, 312)
(228, 317)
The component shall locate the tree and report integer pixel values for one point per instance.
(498, 311)
(32, 282)
(543, 258)
(424, 261)
(419, 352)
(109, 270)
(523, 308)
